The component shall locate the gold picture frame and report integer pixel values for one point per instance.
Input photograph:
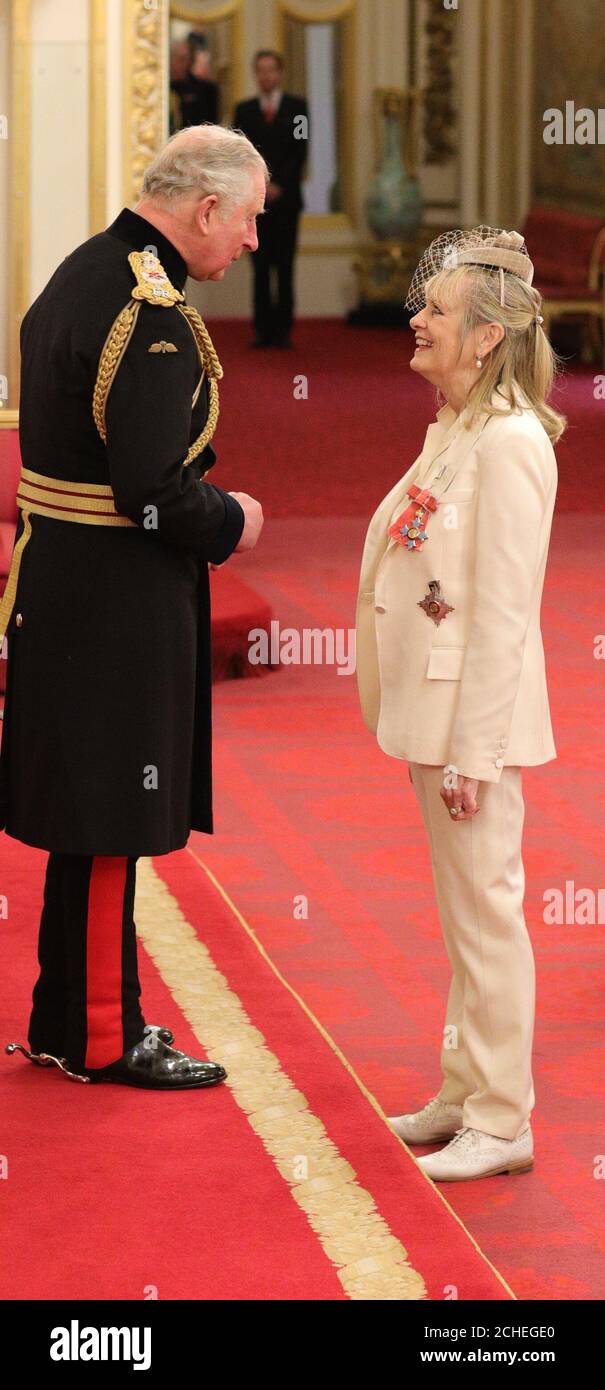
(214, 13)
(312, 12)
(145, 77)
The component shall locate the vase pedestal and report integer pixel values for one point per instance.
(384, 270)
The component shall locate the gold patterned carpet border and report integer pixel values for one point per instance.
(371, 1263)
(250, 932)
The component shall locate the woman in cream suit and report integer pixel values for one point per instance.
(451, 676)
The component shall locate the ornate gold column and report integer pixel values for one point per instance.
(145, 92)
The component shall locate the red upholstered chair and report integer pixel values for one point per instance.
(10, 467)
(568, 252)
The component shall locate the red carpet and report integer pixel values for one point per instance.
(113, 1193)
(338, 452)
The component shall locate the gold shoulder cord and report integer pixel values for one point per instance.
(154, 286)
(210, 365)
(114, 347)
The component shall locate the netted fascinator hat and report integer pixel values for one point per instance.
(483, 246)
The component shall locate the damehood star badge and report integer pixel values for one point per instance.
(434, 605)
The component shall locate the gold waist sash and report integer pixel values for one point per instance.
(89, 503)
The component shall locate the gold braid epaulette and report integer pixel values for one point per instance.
(154, 287)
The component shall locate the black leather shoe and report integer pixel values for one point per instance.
(159, 1068)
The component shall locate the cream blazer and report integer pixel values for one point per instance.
(470, 692)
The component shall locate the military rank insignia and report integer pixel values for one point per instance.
(162, 346)
(434, 605)
(408, 529)
(152, 284)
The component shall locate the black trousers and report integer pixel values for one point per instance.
(277, 236)
(86, 999)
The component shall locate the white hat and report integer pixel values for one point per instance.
(483, 246)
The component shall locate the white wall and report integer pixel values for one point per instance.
(59, 135)
(4, 186)
(114, 109)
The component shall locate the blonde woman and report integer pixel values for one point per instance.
(451, 675)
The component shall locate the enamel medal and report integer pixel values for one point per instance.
(408, 529)
(434, 603)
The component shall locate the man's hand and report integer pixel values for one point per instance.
(253, 524)
(463, 795)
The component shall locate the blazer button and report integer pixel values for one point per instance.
(499, 762)
(18, 620)
(380, 608)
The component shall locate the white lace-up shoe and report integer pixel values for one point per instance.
(435, 1122)
(473, 1154)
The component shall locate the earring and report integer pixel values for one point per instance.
(478, 362)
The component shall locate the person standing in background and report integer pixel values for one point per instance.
(272, 123)
(201, 102)
(194, 97)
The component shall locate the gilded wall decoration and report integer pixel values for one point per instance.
(439, 129)
(570, 68)
(144, 95)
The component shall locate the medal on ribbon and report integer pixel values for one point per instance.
(408, 529)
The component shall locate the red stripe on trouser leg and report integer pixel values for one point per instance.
(104, 960)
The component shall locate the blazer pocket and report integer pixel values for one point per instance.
(445, 663)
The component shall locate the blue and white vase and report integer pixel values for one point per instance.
(394, 203)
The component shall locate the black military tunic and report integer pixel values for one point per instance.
(107, 729)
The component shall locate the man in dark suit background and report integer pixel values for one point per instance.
(194, 97)
(272, 123)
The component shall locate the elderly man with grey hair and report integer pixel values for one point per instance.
(106, 753)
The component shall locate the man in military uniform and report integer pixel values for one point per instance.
(106, 753)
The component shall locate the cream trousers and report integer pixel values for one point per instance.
(479, 884)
